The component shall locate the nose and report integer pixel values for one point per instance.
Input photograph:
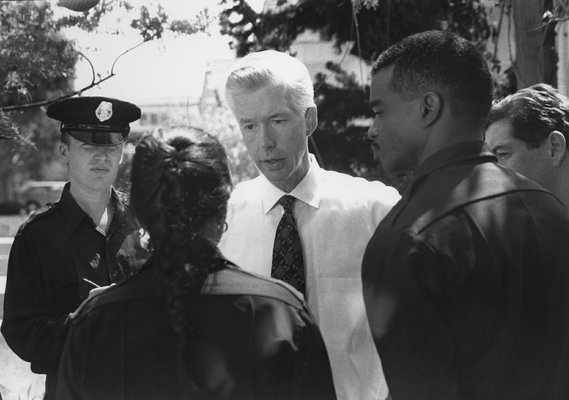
(267, 137)
(101, 152)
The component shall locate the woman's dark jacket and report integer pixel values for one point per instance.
(254, 339)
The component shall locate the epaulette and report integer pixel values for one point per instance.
(38, 214)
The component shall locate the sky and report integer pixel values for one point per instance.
(157, 71)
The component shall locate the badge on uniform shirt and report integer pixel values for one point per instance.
(94, 263)
(104, 111)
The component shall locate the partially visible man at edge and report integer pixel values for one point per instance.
(528, 131)
(64, 249)
(271, 95)
(465, 281)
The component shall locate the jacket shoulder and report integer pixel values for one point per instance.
(39, 215)
(229, 281)
(479, 185)
(235, 281)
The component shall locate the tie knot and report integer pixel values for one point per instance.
(287, 202)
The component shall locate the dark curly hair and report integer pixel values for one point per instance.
(534, 113)
(179, 189)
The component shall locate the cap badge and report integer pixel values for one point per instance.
(104, 111)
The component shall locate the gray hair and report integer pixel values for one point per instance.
(271, 68)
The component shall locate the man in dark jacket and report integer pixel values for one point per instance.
(465, 281)
(66, 249)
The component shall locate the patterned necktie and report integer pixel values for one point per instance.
(288, 263)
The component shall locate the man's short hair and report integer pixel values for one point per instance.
(534, 113)
(272, 68)
(437, 60)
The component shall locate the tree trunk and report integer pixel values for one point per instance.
(535, 44)
(563, 65)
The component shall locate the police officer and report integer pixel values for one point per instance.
(66, 249)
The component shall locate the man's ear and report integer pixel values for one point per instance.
(431, 108)
(556, 148)
(63, 150)
(311, 118)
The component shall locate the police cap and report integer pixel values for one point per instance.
(95, 120)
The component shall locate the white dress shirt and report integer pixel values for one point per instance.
(336, 216)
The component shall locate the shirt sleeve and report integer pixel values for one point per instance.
(31, 329)
(383, 202)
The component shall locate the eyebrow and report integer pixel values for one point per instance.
(275, 115)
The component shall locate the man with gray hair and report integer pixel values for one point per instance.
(301, 223)
(528, 132)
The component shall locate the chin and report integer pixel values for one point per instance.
(396, 166)
(387, 166)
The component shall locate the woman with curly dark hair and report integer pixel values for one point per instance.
(191, 325)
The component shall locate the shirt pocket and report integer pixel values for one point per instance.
(64, 284)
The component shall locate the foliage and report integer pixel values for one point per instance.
(34, 57)
(372, 25)
(154, 27)
(341, 105)
(380, 23)
(33, 52)
(35, 61)
(37, 65)
(8, 131)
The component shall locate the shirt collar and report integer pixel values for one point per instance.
(465, 152)
(306, 191)
(458, 153)
(73, 214)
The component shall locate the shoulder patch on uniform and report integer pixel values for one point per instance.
(36, 216)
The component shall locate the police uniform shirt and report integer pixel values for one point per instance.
(95, 259)
(51, 253)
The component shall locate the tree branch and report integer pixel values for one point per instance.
(90, 64)
(124, 52)
(93, 83)
(49, 101)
